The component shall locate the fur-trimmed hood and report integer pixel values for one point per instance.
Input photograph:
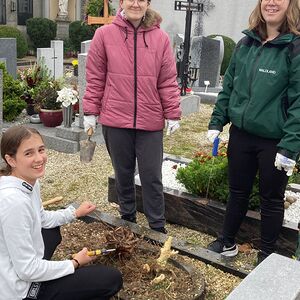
(152, 19)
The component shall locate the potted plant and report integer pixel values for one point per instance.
(49, 109)
(32, 80)
(75, 67)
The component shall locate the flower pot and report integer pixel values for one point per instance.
(67, 116)
(75, 71)
(51, 118)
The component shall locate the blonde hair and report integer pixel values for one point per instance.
(291, 24)
(11, 141)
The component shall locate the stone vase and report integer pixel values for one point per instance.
(67, 116)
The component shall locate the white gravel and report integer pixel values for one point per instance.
(292, 213)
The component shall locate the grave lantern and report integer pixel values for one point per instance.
(189, 6)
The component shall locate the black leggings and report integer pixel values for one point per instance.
(247, 155)
(95, 282)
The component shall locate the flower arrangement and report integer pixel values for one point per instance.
(75, 63)
(67, 96)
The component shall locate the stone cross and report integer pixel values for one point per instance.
(198, 27)
(106, 19)
(52, 58)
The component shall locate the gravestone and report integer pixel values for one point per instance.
(85, 46)
(277, 277)
(58, 47)
(207, 56)
(45, 56)
(53, 58)
(82, 57)
(8, 50)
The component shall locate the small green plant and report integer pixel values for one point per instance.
(94, 8)
(12, 32)
(41, 31)
(195, 178)
(229, 46)
(12, 91)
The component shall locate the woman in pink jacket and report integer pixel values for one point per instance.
(132, 88)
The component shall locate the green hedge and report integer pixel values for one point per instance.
(12, 32)
(12, 90)
(79, 32)
(229, 45)
(41, 31)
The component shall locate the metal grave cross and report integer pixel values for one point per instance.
(189, 6)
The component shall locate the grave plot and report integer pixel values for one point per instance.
(147, 271)
(207, 215)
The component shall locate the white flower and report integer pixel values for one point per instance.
(67, 96)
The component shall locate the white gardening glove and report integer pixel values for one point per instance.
(212, 134)
(172, 125)
(89, 122)
(284, 163)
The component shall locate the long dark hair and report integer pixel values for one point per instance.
(11, 141)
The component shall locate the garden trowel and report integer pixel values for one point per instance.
(87, 147)
(214, 154)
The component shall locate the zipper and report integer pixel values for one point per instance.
(135, 78)
(251, 82)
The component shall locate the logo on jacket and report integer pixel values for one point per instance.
(34, 290)
(273, 72)
(27, 186)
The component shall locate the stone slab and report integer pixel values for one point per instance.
(73, 133)
(8, 50)
(85, 46)
(277, 277)
(207, 98)
(189, 104)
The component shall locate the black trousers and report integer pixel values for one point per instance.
(247, 155)
(125, 146)
(95, 282)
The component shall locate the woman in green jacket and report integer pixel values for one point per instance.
(261, 100)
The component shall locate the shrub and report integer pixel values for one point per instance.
(41, 31)
(229, 46)
(79, 32)
(94, 8)
(12, 32)
(195, 178)
(12, 90)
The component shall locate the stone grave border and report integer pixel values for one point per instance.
(207, 215)
(184, 248)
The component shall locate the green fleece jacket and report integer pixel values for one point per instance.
(261, 91)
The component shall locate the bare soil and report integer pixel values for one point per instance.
(131, 255)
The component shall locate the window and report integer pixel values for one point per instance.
(24, 11)
(2, 12)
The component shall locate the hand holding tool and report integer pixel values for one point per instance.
(87, 147)
(98, 252)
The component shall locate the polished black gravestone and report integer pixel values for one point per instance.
(207, 215)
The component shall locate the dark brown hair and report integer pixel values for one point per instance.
(11, 141)
(290, 24)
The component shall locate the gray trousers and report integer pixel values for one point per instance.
(125, 146)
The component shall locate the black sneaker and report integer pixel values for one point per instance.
(219, 246)
(261, 255)
(130, 218)
(160, 229)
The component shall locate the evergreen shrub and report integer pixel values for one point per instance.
(229, 45)
(80, 32)
(41, 31)
(12, 32)
(12, 91)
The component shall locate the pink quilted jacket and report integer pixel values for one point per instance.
(131, 77)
